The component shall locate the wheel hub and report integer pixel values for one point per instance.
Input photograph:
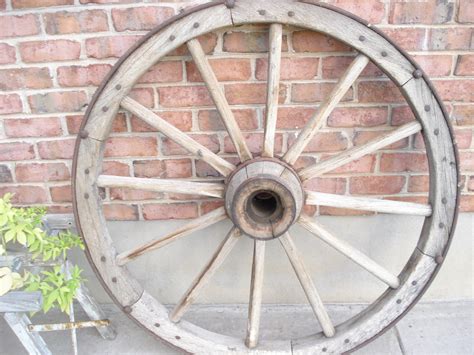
(264, 198)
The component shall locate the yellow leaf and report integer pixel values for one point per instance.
(6, 280)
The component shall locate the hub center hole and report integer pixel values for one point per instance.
(264, 206)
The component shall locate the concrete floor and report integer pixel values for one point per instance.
(430, 328)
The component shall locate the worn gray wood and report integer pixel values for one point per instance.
(32, 342)
(21, 301)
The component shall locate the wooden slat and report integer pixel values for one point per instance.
(273, 88)
(218, 95)
(221, 165)
(163, 185)
(308, 285)
(358, 152)
(256, 292)
(352, 253)
(204, 277)
(367, 204)
(33, 343)
(315, 123)
(21, 301)
(189, 228)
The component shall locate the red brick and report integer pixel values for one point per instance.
(5, 174)
(291, 68)
(180, 119)
(25, 194)
(36, 172)
(145, 96)
(64, 22)
(427, 12)
(131, 146)
(309, 41)
(470, 184)
(61, 193)
(359, 166)
(410, 39)
(304, 162)
(69, 101)
(117, 212)
(402, 115)
(331, 185)
(379, 91)
(10, 103)
(204, 170)
(334, 67)
(435, 65)
(75, 75)
(62, 209)
(25, 78)
(254, 143)
(324, 142)
(106, 1)
(57, 149)
(210, 120)
(16, 151)
(242, 94)
(74, 123)
(133, 195)
(140, 18)
(362, 137)
(49, 51)
(225, 69)
(373, 11)
(170, 211)
(419, 183)
(315, 92)
(467, 161)
(40, 3)
(294, 117)
(210, 141)
(7, 54)
(248, 42)
(358, 117)
(210, 206)
(464, 115)
(376, 185)
(455, 90)
(185, 96)
(115, 168)
(465, 13)
(465, 64)
(18, 26)
(109, 46)
(467, 203)
(463, 138)
(32, 127)
(3, 4)
(208, 44)
(170, 168)
(163, 72)
(450, 38)
(403, 162)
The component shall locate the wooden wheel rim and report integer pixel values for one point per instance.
(443, 164)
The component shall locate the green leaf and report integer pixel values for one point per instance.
(21, 237)
(10, 235)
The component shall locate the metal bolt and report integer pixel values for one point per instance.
(444, 200)
(196, 25)
(417, 74)
(291, 14)
(177, 337)
(127, 309)
(384, 54)
(441, 225)
(230, 4)
(436, 132)
(262, 12)
(172, 38)
(414, 283)
(346, 341)
(439, 259)
(118, 86)
(325, 349)
(87, 171)
(399, 301)
(427, 108)
(86, 195)
(83, 134)
(105, 109)
(102, 258)
(114, 280)
(362, 38)
(157, 325)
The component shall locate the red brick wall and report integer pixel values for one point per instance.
(54, 53)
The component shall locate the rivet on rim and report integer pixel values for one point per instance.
(157, 325)
(86, 195)
(417, 74)
(362, 38)
(196, 25)
(114, 279)
(439, 259)
(441, 225)
(384, 54)
(102, 258)
(262, 12)
(172, 38)
(399, 301)
(118, 86)
(127, 309)
(87, 171)
(436, 132)
(291, 14)
(427, 108)
(230, 4)
(83, 134)
(444, 200)
(105, 109)
(414, 283)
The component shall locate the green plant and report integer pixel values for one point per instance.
(24, 226)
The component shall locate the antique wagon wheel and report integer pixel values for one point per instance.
(264, 196)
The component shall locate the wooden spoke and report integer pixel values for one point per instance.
(189, 228)
(273, 88)
(308, 285)
(163, 185)
(217, 94)
(256, 288)
(351, 252)
(367, 204)
(314, 124)
(209, 270)
(221, 165)
(358, 152)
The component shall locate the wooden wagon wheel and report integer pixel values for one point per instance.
(264, 195)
